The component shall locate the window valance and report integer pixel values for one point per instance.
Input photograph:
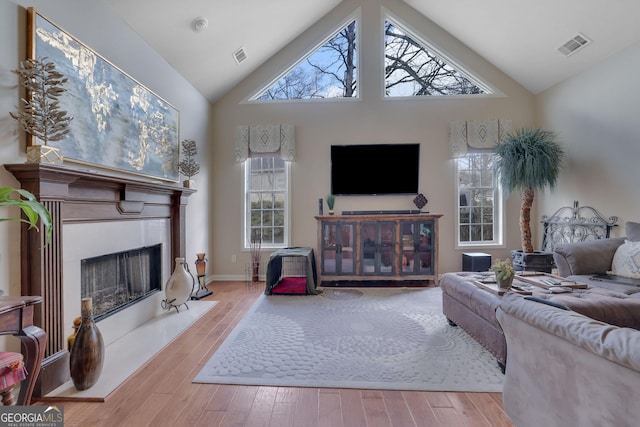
(265, 140)
(476, 135)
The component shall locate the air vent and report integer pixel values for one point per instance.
(240, 55)
(576, 43)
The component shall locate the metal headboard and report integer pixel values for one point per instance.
(575, 224)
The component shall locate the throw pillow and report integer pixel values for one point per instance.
(626, 261)
(633, 231)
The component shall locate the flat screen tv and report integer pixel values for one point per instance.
(375, 169)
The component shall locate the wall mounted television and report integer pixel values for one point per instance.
(375, 169)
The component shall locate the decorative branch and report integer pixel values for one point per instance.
(255, 245)
(42, 116)
(188, 165)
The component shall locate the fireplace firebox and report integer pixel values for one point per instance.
(118, 280)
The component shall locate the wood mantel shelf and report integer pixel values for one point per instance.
(74, 195)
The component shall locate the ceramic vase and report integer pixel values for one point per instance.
(87, 352)
(180, 284)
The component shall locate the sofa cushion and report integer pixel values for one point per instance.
(626, 261)
(601, 304)
(632, 229)
(592, 257)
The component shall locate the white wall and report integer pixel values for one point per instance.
(371, 119)
(595, 115)
(95, 24)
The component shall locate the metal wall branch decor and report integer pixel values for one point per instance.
(118, 123)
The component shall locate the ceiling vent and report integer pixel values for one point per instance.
(240, 55)
(575, 44)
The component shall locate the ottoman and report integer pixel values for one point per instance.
(474, 310)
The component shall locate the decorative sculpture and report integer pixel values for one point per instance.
(201, 269)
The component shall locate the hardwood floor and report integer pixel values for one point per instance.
(161, 392)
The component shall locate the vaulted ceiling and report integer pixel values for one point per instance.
(520, 37)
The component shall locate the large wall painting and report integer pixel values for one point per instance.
(117, 122)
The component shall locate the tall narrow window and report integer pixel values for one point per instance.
(411, 69)
(328, 72)
(479, 201)
(266, 202)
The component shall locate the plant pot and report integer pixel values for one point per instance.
(189, 183)
(504, 283)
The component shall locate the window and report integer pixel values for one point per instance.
(267, 202)
(411, 69)
(479, 201)
(328, 72)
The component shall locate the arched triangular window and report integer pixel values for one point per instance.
(412, 69)
(330, 71)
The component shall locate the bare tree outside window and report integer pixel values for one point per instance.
(329, 72)
(410, 69)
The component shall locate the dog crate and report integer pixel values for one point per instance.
(293, 277)
(291, 271)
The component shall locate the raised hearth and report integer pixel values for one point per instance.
(76, 197)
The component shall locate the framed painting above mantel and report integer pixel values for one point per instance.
(118, 123)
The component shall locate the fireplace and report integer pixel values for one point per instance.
(108, 208)
(118, 280)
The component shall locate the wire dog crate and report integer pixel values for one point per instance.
(291, 271)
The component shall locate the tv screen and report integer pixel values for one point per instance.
(375, 169)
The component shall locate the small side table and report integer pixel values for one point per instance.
(16, 318)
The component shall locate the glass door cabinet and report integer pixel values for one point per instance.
(416, 247)
(377, 241)
(338, 250)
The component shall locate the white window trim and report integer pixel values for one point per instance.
(499, 211)
(246, 214)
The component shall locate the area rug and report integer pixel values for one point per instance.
(370, 338)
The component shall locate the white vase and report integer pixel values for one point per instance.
(179, 286)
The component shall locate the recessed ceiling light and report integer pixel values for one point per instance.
(199, 24)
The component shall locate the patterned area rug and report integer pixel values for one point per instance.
(371, 338)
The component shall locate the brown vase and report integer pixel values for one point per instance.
(87, 353)
(255, 276)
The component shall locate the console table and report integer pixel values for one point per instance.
(377, 247)
(16, 318)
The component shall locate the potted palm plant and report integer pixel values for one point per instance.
(32, 209)
(528, 159)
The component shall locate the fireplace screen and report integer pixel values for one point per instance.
(118, 280)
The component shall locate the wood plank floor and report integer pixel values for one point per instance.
(161, 392)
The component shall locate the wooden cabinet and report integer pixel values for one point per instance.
(377, 247)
